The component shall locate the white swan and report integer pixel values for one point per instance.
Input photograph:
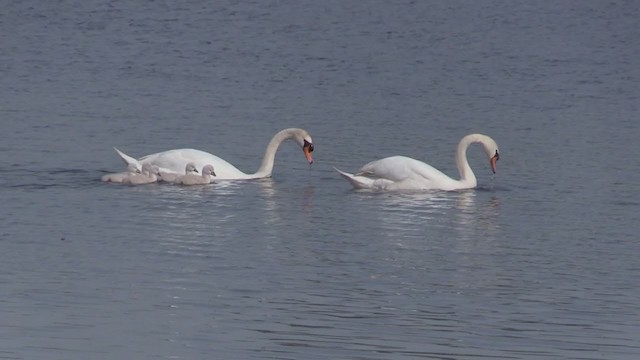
(121, 176)
(193, 179)
(404, 173)
(148, 175)
(171, 176)
(175, 160)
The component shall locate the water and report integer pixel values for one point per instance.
(540, 262)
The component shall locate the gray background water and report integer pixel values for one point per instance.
(540, 262)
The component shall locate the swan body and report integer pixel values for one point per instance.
(120, 177)
(404, 173)
(192, 179)
(148, 175)
(174, 161)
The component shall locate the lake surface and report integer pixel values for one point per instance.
(540, 262)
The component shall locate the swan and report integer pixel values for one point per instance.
(171, 176)
(193, 179)
(404, 173)
(175, 160)
(148, 175)
(121, 176)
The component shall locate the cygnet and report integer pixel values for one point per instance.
(172, 177)
(193, 179)
(121, 176)
(149, 175)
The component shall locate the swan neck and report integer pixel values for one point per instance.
(466, 174)
(266, 167)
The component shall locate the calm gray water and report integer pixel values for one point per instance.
(540, 262)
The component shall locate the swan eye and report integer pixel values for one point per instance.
(497, 155)
(308, 145)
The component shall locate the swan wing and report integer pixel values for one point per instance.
(175, 161)
(401, 168)
(402, 173)
(363, 182)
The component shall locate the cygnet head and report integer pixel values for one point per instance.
(150, 169)
(208, 170)
(190, 168)
(132, 169)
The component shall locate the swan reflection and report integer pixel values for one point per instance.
(410, 208)
(190, 220)
(277, 204)
(438, 213)
(477, 217)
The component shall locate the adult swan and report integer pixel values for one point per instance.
(175, 160)
(404, 173)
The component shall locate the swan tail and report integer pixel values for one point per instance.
(126, 158)
(358, 182)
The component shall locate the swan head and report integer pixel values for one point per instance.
(303, 139)
(494, 159)
(208, 170)
(488, 144)
(307, 149)
(491, 149)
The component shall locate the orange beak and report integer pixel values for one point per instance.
(307, 149)
(494, 160)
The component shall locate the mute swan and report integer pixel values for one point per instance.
(193, 179)
(171, 176)
(148, 175)
(121, 176)
(175, 160)
(404, 173)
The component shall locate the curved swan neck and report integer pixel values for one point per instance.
(266, 167)
(466, 174)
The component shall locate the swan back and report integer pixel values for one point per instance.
(401, 172)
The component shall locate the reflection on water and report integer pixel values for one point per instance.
(466, 213)
(456, 230)
(268, 191)
(197, 220)
(190, 220)
(473, 218)
(277, 203)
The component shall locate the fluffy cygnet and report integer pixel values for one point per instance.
(193, 179)
(149, 175)
(121, 176)
(172, 177)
